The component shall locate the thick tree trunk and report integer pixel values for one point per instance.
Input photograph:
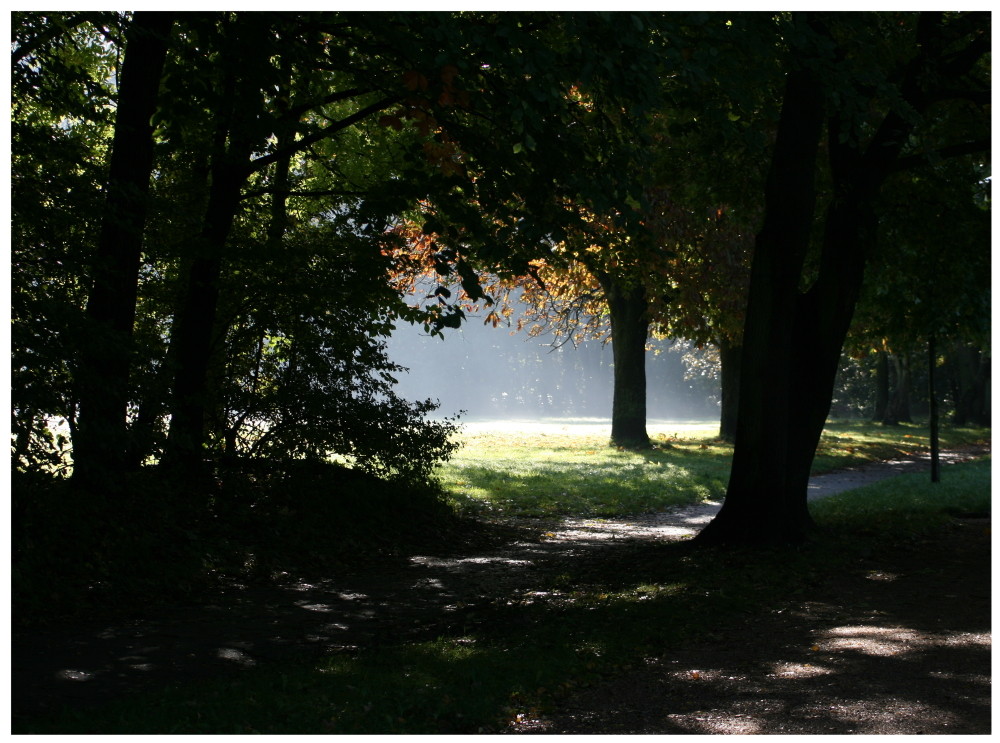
(763, 502)
(792, 342)
(101, 440)
(193, 334)
(729, 361)
(628, 309)
(969, 376)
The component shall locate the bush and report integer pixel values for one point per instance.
(148, 541)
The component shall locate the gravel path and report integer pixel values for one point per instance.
(243, 627)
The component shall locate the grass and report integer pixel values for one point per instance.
(517, 655)
(510, 473)
(910, 503)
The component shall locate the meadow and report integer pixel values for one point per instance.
(566, 468)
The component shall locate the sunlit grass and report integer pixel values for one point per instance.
(847, 443)
(513, 473)
(532, 470)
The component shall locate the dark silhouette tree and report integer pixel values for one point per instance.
(102, 374)
(794, 333)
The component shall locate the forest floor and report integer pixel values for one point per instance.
(901, 647)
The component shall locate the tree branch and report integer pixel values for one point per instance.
(49, 34)
(955, 150)
(262, 162)
(341, 95)
(286, 192)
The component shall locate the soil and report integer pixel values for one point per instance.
(902, 646)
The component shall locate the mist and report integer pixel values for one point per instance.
(491, 373)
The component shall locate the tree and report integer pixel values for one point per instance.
(60, 121)
(482, 113)
(102, 375)
(914, 290)
(793, 338)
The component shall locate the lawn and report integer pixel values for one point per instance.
(567, 468)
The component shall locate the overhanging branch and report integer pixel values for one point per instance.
(341, 95)
(262, 162)
(287, 192)
(955, 150)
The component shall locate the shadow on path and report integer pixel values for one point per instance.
(900, 647)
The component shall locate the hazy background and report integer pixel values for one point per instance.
(493, 374)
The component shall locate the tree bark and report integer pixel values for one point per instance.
(729, 361)
(898, 409)
(792, 341)
(628, 309)
(193, 335)
(101, 440)
(969, 376)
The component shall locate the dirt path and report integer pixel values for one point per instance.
(245, 626)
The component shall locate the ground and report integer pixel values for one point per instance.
(899, 646)
(903, 648)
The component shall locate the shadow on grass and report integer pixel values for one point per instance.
(429, 656)
(484, 664)
(849, 443)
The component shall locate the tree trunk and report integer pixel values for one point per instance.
(194, 336)
(881, 386)
(933, 416)
(898, 409)
(729, 361)
(792, 341)
(762, 500)
(628, 309)
(969, 373)
(101, 440)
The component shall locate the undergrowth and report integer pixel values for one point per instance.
(145, 542)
